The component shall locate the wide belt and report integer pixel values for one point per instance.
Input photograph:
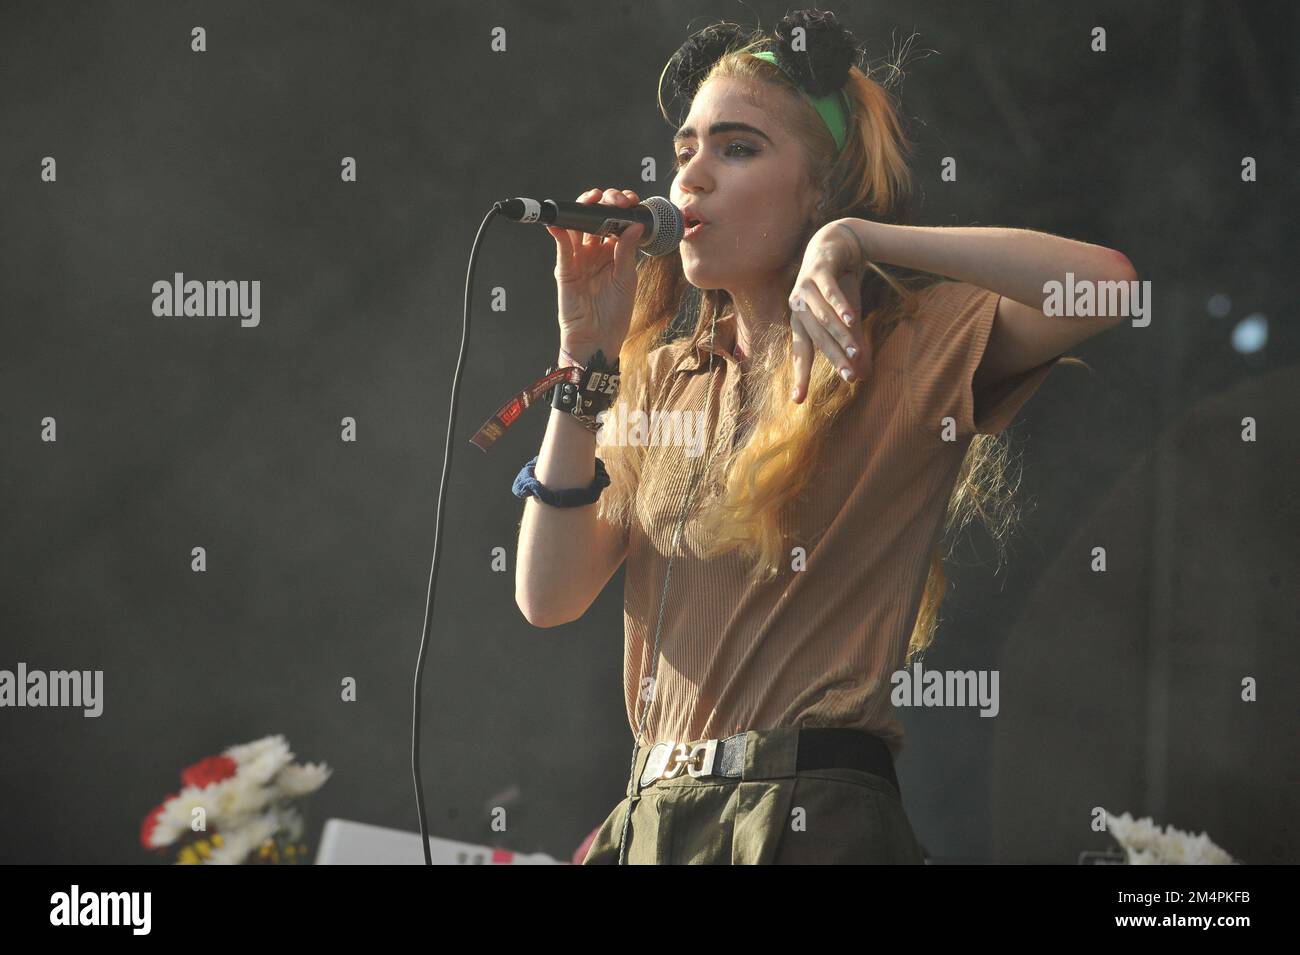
(820, 747)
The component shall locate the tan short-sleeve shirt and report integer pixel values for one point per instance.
(814, 646)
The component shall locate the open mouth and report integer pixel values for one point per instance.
(693, 227)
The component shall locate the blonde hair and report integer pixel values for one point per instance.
(762, 476)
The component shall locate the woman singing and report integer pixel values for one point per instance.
(798, 423)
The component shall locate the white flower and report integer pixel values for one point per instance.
(246, 752)
(241, 797)
(263, 759)
(237, 843)
(1146, 844)
(227, 804)
(299, 780)
(177, 816)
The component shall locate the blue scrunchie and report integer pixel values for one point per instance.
(526, 483)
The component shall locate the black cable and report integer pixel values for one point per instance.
(437, 539)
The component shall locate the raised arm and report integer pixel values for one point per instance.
(1017, 264)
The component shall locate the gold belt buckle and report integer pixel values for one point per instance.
(667, 760)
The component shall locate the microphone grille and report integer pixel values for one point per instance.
(668, 226)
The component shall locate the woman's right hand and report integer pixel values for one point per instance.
(595, 279)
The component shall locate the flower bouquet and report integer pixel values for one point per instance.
(236, 807)
(1145, 844)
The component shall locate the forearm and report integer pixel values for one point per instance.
(1015, 263)
(550, 537)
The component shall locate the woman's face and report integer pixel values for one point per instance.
(745, 175)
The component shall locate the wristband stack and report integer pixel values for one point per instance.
(587, 398)
(592, 394)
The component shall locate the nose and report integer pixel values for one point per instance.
(694, 177)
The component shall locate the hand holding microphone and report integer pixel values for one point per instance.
(595, 258)
(595, 277)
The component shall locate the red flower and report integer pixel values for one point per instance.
(213, 769)
(151, 822)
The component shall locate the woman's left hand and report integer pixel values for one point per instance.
(825, 303)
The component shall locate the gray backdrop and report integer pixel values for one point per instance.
(1119, 689)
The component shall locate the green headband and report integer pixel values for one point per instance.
(833, 107)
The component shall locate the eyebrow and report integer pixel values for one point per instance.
(688, 132)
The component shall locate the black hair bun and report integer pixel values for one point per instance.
(694, 58)
(830, 49)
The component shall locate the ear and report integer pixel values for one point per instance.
(820, 209)
(815, 200)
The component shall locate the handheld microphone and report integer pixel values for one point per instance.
(662, 220)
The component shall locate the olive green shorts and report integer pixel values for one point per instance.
(771, 815)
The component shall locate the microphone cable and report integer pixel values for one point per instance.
(437, 537)
(497, 209)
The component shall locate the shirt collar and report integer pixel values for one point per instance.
(701, 346)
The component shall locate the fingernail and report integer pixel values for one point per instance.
(846, 374)
(848, 319)
(850, 351)
(794, 394)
